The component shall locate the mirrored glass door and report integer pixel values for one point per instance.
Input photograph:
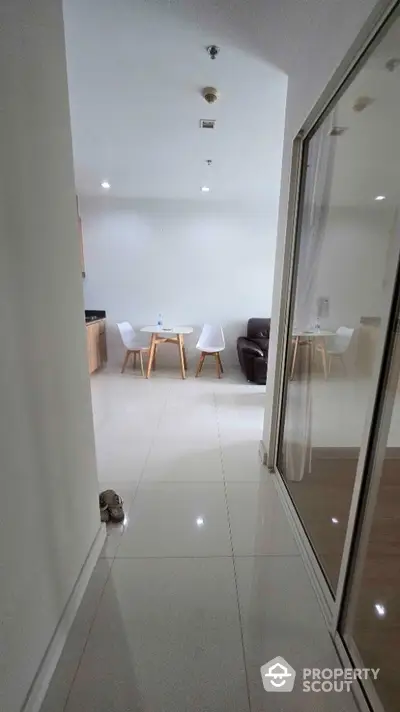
(346, 255)
(371, 611)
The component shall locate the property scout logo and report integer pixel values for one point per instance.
(278, 676)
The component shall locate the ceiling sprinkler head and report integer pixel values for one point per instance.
(208, 161)
(213, 51)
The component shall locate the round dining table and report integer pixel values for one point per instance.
(162, 335)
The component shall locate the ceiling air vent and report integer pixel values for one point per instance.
(337, 131)
(207, 123)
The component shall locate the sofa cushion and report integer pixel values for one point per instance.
(262, 342)
(258, 328)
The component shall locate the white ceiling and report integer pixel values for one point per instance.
(367, 156)
(135, 72)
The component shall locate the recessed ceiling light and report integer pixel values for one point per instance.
(334, 520)
(105, 184)
(199, 521)
(380, 197)
(205, 189)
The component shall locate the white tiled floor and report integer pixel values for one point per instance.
(204, 582)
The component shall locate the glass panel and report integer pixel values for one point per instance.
(348, 246)
(372, 627)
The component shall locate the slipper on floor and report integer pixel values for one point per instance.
(111, 503)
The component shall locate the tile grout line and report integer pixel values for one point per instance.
(233, 554)
(141, 474)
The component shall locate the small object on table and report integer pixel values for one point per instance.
(163, 336)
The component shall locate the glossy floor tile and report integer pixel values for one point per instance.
(258, 522)
(177, 519)
(280, 616)
(166, 637)
(202, 583)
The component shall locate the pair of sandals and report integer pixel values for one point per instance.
(111, 506)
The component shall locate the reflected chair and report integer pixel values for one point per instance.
(211, 343)
(337, 345)
(133, 349)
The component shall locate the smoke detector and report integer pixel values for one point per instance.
(210, 94)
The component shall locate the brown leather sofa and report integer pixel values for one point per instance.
(253, 350)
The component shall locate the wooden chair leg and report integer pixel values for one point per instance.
(128, 353)
(201, 362)
(154, 358)
(134, 359)
(220, 362)
(218, 366)
(141, 362)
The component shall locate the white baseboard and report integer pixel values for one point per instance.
(46, 669)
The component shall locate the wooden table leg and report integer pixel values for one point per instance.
(294, 355)
(184, 353)
(323, 356)
(151, 354)
(180, 346)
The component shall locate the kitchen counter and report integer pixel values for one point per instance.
(96, 344)
(93, 321)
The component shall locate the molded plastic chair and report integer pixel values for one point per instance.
(211, 343)
(128, 337)
(337, 345)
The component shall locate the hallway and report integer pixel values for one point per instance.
(203, 583)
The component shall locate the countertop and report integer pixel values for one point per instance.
(94, 321)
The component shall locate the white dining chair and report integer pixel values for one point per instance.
(211, 343)
(128, 337)
(338, 344)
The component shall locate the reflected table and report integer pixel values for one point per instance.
(175, 335)
(317, 340)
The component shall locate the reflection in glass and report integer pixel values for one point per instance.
(372, 624)
(347, 253)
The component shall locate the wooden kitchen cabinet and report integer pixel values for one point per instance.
(96, 345)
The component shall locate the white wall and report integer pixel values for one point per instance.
(49, 509)
(352, 265)
(317, 36)
(194, 262)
